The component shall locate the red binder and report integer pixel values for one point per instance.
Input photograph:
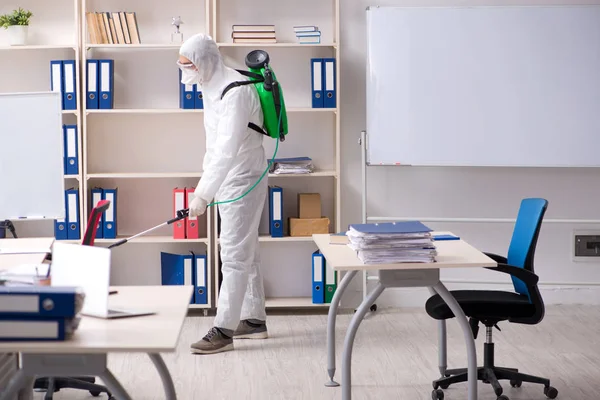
(179, 203)
(193, 231)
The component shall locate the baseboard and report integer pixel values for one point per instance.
(416, 297)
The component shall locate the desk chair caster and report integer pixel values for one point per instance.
(53, 385)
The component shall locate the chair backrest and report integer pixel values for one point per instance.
(524, 239)
(93, 221)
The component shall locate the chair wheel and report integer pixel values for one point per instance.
(94, 393)
(550, 392)
(373, 308)
(437, 395)
(503, 397)
(515, 384)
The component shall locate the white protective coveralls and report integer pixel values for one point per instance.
(235, 159)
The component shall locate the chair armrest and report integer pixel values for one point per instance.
(497, 258)
(526, 276)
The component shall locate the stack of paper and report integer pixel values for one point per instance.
(395, 242)
(308, 34)
(298, 165)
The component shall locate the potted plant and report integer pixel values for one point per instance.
(16, 24)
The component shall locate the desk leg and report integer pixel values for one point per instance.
(349, 341)
(165, 376)
(115, 387)
(442, 340)
(468, 334)
(335, 303)
(16, 383)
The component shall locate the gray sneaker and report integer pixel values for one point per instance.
(213, 342)
(250, 330)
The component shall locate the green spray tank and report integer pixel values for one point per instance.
(270, 93)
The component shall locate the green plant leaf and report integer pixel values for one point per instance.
(18, 17)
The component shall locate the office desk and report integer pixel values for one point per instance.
(451, 254)
(86, 352)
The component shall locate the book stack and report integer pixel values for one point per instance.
(390, 243)
(253, 34)
(308, 34)
(112, 28)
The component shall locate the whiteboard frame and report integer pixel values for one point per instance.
(366, 142)
(34, 186)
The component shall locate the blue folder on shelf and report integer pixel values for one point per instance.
(187, 95)
(97, 195)
(70, 87)
(72, 206)
(57, 80)
(71, 150)
(329, 83)
(109, 218)
(177, 269)
(199, 105)
(106, 84)
(275, 211)
(318, 278)
(316, 74)
(200, 278)
(92, 79)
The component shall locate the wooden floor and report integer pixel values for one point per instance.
(395, 357)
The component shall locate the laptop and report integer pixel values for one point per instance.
(88, 268)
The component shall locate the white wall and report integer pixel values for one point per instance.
(456, 193)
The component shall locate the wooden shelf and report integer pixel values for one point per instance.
(154, 239)
(40, 47)
(73, 112)
(76, 177)
(293, 302)
(280, 44)
(199, 306)
(151, 46)
(167, 175)
(145, 111)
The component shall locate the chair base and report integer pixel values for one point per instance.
(491, 374)
(51, 385)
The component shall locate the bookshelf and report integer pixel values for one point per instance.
(53, 34)
(169, 142)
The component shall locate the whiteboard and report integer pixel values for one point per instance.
(31, 156)
(484, 86)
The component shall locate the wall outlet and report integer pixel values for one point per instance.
(586, 246)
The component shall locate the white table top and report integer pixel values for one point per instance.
(25, 245)
(451, 254)
(158, 333)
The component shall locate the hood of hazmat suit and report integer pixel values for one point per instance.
(234, 161)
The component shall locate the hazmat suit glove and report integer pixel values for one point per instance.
(197, 207)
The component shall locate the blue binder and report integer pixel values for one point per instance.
(71, 159)
(329, 83)
(275, 211)
(106, 84)
(318, 278)
(92, 79)
(37, 301)
(200, 279)
(110, 215)
(437, 238)
(72, 202)
(187, 95)
(70, 87)
(316, 73)
(97, 195)
(57, 80)
(199, 98)
(177, 269)
(60, 229)
(35, 329)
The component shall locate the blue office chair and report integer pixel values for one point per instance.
(523, 306)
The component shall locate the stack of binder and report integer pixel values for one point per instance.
(39, 313)
(395, 242)
(62, 80)
(308, 34)
(324, 85)
(100, 75)
(186, 269)
(107, 227)
(324, 280)
(68, 227)
(190, 97)
(188, 228)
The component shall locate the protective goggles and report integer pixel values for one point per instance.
(189, 66)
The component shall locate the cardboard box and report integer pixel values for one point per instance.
(309, 205)
(308, 226)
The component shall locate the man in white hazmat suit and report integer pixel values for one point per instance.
(234, 161)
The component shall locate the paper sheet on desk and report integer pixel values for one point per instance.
(24, 274)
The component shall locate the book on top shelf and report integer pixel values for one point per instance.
(112, 28)
(253, 34)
